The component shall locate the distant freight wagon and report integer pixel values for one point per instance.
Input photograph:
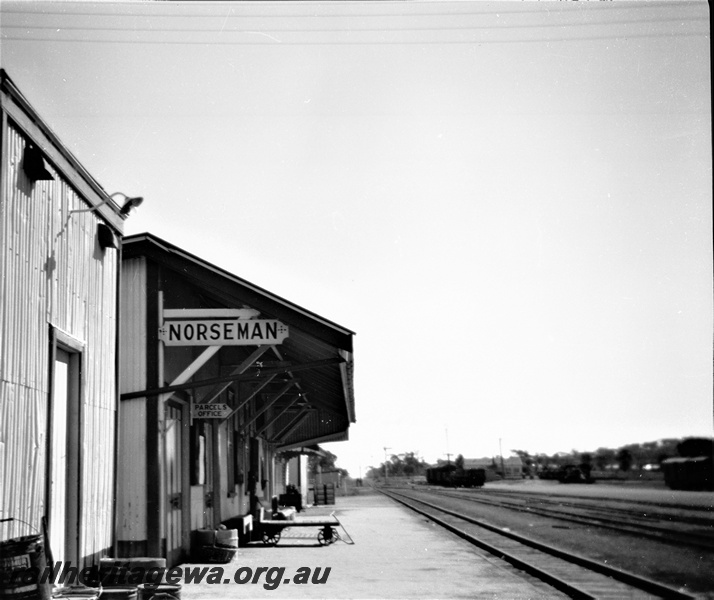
(693, 469)
(453, 476)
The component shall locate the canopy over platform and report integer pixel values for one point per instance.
(305, 380)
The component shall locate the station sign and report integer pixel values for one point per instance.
(223, 332)
(210, 411)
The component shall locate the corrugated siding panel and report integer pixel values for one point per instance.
(23, 262)
(132, 334)
(53, 273)
(22, 458)
(131, 488)
(23, 343)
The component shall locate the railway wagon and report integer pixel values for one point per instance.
(689, 473)
(693, 469)
(439, 475)
(451, 476)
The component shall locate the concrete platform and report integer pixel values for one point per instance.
(396, 554)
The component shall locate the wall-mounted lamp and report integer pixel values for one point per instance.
(33, 164)
(129, 203)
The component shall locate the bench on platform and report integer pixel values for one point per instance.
(244, 525)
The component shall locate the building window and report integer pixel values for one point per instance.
(230, 457)
(198, 453)
(230, 445)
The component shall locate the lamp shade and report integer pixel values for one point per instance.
(130, 203)
(33, 164)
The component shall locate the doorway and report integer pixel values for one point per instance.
(64, 464)
(177, 486)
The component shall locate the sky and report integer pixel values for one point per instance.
(509, 203)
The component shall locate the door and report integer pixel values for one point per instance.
(201, 476)
(255, 484)
(176, 530)
(64, 468)
(208, 498)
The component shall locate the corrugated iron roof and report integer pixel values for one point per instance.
(328, 389)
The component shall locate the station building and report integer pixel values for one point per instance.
(145, 393)
(222, 385)
(60, 234)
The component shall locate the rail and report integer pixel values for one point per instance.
(575, 575)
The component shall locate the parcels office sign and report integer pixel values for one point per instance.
(210, 411)
(222, 332)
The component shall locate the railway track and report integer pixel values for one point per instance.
(666, 510)
(649, 521)
(574, 575)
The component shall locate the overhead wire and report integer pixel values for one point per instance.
(380, 42)
(270, 39)
(360, 29)
(504, 8)
(272, 35)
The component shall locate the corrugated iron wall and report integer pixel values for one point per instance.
(53, 274)
(131, 475)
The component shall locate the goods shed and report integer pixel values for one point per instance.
(218, 376)
(60, 234)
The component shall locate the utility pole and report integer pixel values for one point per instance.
(500, 450)
(448, 456)
(386, 465)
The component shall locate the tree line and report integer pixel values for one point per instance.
(400, 465)
(630, 457)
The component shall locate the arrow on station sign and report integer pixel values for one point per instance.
(210, 411)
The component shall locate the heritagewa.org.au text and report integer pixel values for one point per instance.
(270, 577)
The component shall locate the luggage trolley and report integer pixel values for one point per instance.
(271, 530)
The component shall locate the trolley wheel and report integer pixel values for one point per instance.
(326, 536)
(271, 538)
